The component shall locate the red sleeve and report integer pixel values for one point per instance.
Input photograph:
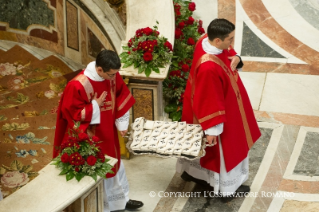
(208, 101)
(124, 98)
(75, 105)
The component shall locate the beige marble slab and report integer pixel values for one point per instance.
(48, 192)
(291, 93)
(254, 84)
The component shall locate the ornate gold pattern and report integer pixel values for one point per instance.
(143, 106)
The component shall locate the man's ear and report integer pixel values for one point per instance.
(99, 69)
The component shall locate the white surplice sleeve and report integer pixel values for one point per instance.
(96, 113)
(215, 130)
(122, 122)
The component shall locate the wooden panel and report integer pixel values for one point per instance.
(72, 26)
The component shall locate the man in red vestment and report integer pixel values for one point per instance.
(100, 100)
(216, 98)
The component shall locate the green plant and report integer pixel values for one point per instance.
(80, 156)
(187, 32)
(147, 51)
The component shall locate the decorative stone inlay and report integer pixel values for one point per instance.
(253, 46)
(20, 14)
(308, 163)
(94, 44)
(144, 105)
(72, 26)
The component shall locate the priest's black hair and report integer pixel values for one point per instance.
(107, 60)
(219, 28)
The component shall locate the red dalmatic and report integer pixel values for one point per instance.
(215, 94)
(75, 105)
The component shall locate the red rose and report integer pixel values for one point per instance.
(181, 25)
(200, 22)
(147, 56)
(178, 13)
(77, 169)
(134, 49)
(192, 6)
(83, 136)
(157, 33)
(155, 42)
(91, 160)
(185, 68)
(190, 20)
(190, 41)
(201, 30)
(176, 73)
(168, 45)
(147, 31)
(65, 158)
(178, 33)
(95, 139)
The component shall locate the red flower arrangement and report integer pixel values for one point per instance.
(80, 156)
(187, 32)
(147, 51)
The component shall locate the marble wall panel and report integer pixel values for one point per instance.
(94, 19)
(88, 23)
(94, 44)
(72, 26)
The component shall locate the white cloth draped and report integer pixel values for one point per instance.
(225, 182)
(116, 190)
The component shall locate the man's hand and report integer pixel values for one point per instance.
(101, 99)
(234, 62)
(123, 133)
(211, 139)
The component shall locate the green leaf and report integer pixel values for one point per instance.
(156, 70)
(148, 71)
(177, 116)
(170, 108)
(126, 48)
(69, 176)
(136, 64)
(79, 176)
(129, 63)
(64, 171)
(140, 70)
(94, 176)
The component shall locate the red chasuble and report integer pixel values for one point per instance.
(75, 105)
(215, 94)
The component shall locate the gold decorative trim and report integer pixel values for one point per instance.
(213, 115)
(125, 102)
(86, 85)
(83, 114)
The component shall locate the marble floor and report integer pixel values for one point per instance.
(278, 41)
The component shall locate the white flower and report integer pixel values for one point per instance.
(14, 179)
(49, 94)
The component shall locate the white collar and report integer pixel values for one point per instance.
(91, 73)
(210, 49)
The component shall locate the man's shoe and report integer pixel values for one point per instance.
(186, 177)
(133, 204)
(242, 190)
